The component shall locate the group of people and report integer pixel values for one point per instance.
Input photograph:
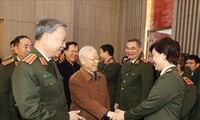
(45, 80)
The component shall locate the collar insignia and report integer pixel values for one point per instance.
(43, 61)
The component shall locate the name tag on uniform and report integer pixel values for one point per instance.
(48, 75)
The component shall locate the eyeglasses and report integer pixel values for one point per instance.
(94, 59)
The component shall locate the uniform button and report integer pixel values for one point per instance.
(126, 74)
(132, 74)
(124, 81)
(122, 88)
(51, 83)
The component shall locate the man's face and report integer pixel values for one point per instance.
(55, 42)
(72, 53)
(102, 55)
(12, 50)
(91, 61)
(192, 64)
(132, 50)
(23, 48)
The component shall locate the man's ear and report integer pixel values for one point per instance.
(15, 49)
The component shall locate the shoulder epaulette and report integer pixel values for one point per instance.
(169, 70)
(188, 81)
(8, 61)
(43, 61)
(30, 58)
(9, 57)
(144, 60)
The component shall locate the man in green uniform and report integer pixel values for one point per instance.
(37, 85)
(8, 110)
(136, 78)
(110, 69)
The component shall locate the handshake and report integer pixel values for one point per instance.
(117, 115)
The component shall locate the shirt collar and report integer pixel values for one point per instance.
(47, 59)
(163, 71)
(133, 61)
(88, 76)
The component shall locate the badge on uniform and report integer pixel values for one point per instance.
(43, 61)
(48, 75)
(188, 81)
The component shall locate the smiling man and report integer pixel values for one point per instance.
(37, 84)
(136, 77)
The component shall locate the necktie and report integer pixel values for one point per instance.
(95, 76)
(51, 68)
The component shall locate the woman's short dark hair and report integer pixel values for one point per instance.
(169, 47)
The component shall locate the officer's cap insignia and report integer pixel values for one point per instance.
(188, 81)
(144, 60)
(43, 61)
(8, 61)
(30, 58)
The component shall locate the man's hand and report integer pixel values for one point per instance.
(119, 115)
(73, 115)
(116, 106)
(110, 114)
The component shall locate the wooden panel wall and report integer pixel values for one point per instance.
(18, 18)
(62, 10)
(96, 22)
(186, 25)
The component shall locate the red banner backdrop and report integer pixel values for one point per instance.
(161, 14)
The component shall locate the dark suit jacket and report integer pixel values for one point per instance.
(6, 91)
(164, 101)
(39, 93)
(195, 112)
(89, 95)
(135, 83)
(66, 70)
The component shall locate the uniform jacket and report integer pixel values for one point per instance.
(7, 99)
(89, 95)
(189, 96)
(38, 93)
(135, 82)
(164, 101)
(66, 70)
(111, 71)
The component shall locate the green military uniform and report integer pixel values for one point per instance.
(8, 110)
(189, 96)
(111, 72)
(164, 101)
(38, 89)
(135, 83)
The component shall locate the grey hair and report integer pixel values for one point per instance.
(84, 52)
(48, 25)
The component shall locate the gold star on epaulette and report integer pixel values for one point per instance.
(8, 61)
(188, 81)
(43, 61)
(30, 58)
(144, 60)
